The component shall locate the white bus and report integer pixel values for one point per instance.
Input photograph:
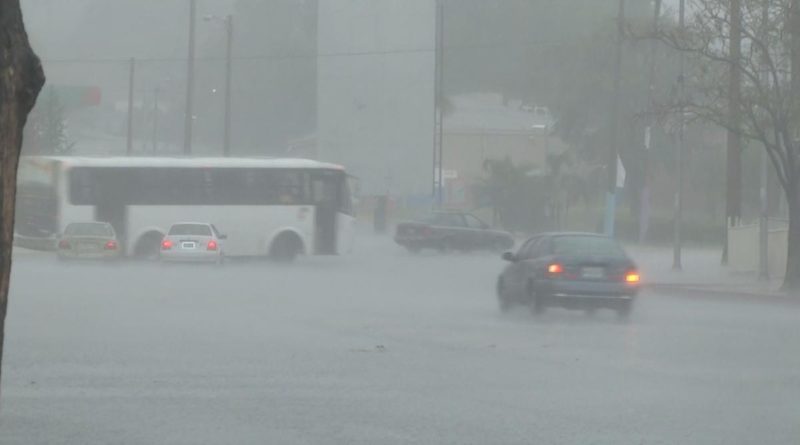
(276, 207)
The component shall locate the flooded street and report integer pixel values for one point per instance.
(378, 347)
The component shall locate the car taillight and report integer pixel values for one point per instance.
(212, 245)
(426, 231)
(632, 277)
(555, 269)
(166, 244)
(111, 245)
(63, 244)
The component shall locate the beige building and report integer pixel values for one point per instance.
(481, 127)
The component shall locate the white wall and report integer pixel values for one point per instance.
(375, 77)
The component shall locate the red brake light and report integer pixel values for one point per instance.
(63, 244)
(212, 245)
(632, 277)
(555, 268)
(111, 245)
(166, 244)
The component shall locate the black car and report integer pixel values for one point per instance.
(570, 270)
(451, 230)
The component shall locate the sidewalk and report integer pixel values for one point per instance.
(702, 275)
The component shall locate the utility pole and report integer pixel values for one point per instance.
(155, 120)
(438, 119)
(733, 194)
(228, 67)
(187, 125)
(613, 155)
(644, 199)
(763, 223)
(677, 240)
(129, 138)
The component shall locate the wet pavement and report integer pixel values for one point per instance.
(378, 347)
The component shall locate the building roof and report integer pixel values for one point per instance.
(489, 113)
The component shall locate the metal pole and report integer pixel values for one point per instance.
(763, 224)
(155, 120)
(188, 118)
(644, 198)
(677, 236)
(611, 194)
(228, 68)
(440, 99)
(129, 138)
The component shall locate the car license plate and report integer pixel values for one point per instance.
(188, 245)
(593, 272)
(87, 248)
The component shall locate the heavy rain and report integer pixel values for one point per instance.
(400, 221)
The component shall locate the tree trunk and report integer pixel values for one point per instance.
(21, 79)
(792, 279)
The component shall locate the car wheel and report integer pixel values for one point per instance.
(624, 310)
(502, 299)
(414, 249)
(499, 245)
(537, 300)
(444, 245)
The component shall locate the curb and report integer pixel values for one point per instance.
(709, 292)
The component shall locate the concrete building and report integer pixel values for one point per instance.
(482, 126)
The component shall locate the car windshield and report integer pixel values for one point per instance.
(190, 229)
(581, 245)
(88, 229)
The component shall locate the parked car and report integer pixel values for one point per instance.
(193, 242)
(451, 230)
(88, 240)
(570, 270)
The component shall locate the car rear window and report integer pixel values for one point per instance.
(88, 229)
(587, 245)
(190, 229)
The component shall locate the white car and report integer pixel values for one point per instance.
(193, 242)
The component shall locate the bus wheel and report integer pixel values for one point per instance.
(148, 246)
(286, 247)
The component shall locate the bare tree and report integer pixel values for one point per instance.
(21, 79)
(767, 107)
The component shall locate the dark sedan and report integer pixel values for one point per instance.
(451, 231)
(570, 270)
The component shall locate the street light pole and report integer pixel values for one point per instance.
(228, 68)
(188, 118)
(155, 120)
(611, 194)
(763, 224)
(129, 136)
(677, 236)
(438, 124)
(228, 22)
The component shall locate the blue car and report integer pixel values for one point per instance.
(569, 270)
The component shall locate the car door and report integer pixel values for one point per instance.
(536, 263)
(530, 263)
(219, 238)
(479, 235)
(456, 234)
(515, 277)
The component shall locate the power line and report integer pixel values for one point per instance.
(308, 56)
